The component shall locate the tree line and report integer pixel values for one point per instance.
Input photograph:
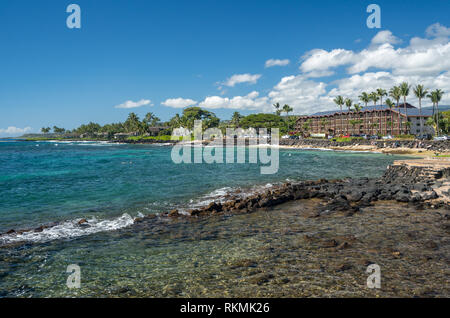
(133, 124)
(397, 93)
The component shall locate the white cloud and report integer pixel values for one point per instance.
(250, 102)
(381, 65)
(131, 104)
(242, 78)
(179, 102)
(276, 62)
(383, 37)
(423, 56)
(437, 30)
(321, 60)
(300, 93)
(353, 86)
(11, 130)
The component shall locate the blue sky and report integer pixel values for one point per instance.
(158, 50)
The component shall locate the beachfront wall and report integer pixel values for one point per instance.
(370, 122)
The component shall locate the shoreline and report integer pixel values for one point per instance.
(442, 148)
(422, 183)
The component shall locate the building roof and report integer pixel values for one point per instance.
(412, 111)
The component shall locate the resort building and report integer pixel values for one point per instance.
(372, 120)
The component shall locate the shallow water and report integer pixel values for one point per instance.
(110, 185)
(43, 182)
(267, 253)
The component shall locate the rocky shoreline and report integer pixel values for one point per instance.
(441, 146)
(423, 184)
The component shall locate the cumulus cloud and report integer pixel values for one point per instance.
(319, 60)
(385, 37)
(437, 30)
(381, 65)
(423, 56)
(11, 130)
(130, 104)
(300, 93)
(179, 102)
(252, 101)
(242, 78)
(276, 62)
(353, 86)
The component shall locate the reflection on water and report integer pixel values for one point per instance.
(268, 253)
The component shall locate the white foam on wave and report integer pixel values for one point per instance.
(69, 229)
(79, 142)
(226, 193)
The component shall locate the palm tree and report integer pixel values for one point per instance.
(132, 124)
(287, 109)
(396, 94)
(390, 104)
(420, 93)
(381, 93)
(45, 130)
(375, 98)
(235, 119)
(323, 123)
(277, 108)
(404, 89)
(339, 100)
(364, 97)
(357, 107)
(438, 96)
(348, 103)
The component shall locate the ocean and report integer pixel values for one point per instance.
(112, 184)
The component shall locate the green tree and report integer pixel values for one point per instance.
(236, 119)
(364, 97)
(58, 130)
(381, 93)
(191, 114)
(132, 124)
(45, 130)
(151, 119)
(391, 105)
(277, 108)
(404, 89)
(396, 93)
(374, 98)
(287, 109)
(420, 93)
(268, 121)
(339, 100)
(438, 93)
(348, 104)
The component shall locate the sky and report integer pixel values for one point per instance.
(162, 55)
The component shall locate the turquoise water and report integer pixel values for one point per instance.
(43, 182)
(110, 185)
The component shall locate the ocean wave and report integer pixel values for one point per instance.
(79, 142)
(69, 229)
(226, 193)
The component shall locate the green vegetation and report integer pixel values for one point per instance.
(151, 127)
(349, 139)
(160, 138)
(405, 137)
